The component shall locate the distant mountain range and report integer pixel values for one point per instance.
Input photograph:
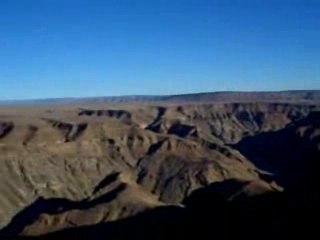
(267, 96)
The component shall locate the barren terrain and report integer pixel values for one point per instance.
(156, 168)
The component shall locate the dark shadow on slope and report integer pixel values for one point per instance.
(5, 129)
(106, 181)
(156, 125)
(32, 130)
(70, 131)
(286, 153)
(53, 206)
(75, 132)
(155, 147)
(209, 214)
(153, 224)
(183, 130)
(113, 113)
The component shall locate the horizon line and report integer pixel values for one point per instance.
(148, 95)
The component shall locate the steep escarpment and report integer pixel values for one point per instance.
(232, 122)
(113, 113)
(228, 123)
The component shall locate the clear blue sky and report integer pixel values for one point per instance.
(63, 48)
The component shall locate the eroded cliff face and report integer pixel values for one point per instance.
(87, 166)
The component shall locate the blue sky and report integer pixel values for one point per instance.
(73, 48)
